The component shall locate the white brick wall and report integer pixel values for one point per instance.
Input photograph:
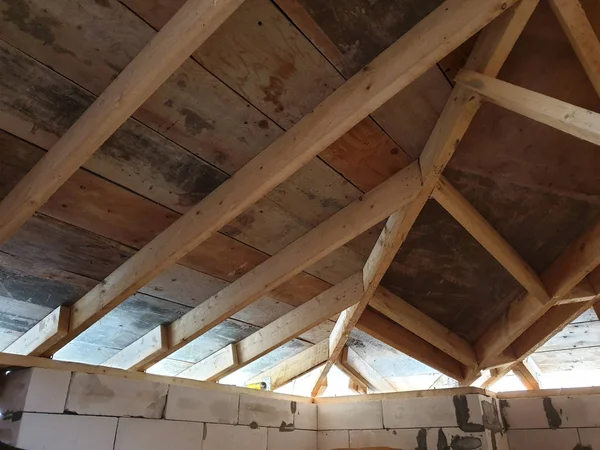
(291, 440)
(266, 412)
(202, 405)
(33, 402)
(329, 440)
(110, 396)
(35, 390)
(227, 437)
(151, 434)
(566, 439)
(66, 432)
(350, 416)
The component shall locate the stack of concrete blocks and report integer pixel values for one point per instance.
(57, 410)
(554, 422)
(439, 422)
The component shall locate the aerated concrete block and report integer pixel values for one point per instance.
(266, 412)
(151, 434)
(291, 440)
(232, 437)
(350, 416)
(66, 432)
(202, 405)
(110, 396)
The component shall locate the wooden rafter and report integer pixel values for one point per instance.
(422, 325)
(300, 254)
(353, 363)
(176, 41)
(286, 328)
(528, 373)
(581, 35)
(141, 351)
(574, 120)
(528, 325)
(42, 336)
(404, 61)
(547, 326)
(465, 214)
(294, 367)
(489, 54)
(215, 367)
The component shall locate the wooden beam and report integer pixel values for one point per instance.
(529, 374)
(577, 260)
(215, 367)
(419, 323)
(140, 353)
(300, 320)
(465, 214)
(170, 47)
(582, 293)
(9, 361)
(43, 335)
(290, 325)
(548, 325)
(577, 27)
(579, 122)
(352, 362)
(445, 28)
(381, 256)
(331, 234)
(295, 367)
(488, 55)
(397, 337)
(353, 385)
(356, 382)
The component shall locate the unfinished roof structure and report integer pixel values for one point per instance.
(246, 190)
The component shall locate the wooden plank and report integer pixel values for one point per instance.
(447, 133)
(394, 69)
(580, 258)
(411, 318)
(189, 28)
(546, 326)
(574, 335)
(579, 122)
(321, 240)
(215, 367)
(140, 352)
(285, 328)
(465, 214)
(353, 362)
(577, 27)
(528, 373)
(385, 249)
(300, 320)
(408, 343)
(587, 358)
(38, 339)
(9, 360)
(294, 367)
(192, 109)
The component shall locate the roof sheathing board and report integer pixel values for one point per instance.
(314, 194)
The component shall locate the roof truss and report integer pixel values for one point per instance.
(549, 304)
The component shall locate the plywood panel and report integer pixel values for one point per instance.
(543, 61)
(576, 335)
(446, 273)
